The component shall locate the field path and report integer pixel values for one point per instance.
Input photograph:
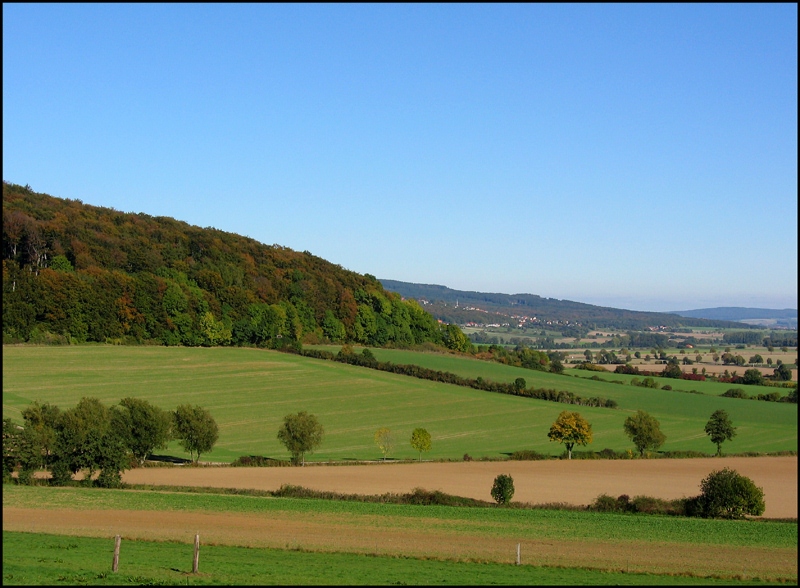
(574, 482)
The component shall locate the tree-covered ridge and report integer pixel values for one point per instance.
(443, 301)
(78, 272)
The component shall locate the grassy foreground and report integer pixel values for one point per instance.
(307, 541)
(35, 559)
(248, 391)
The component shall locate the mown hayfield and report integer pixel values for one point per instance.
(249, 391)
(337, 538)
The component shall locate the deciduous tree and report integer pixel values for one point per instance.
(384, 440)
(144, 427)
(301, 433)
(570, 428)
(196, 429)
(720, 428)
(645, 431)
(421, 441)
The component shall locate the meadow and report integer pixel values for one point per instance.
(66, 535)
(249, 391)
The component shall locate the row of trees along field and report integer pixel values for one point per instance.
(94, 438)
(74, 272)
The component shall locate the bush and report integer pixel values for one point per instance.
(727, 494)
(527, 455)
(503, 489)
(735, 393)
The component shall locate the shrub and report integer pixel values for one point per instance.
(605, 503)
(467, 457)
(735, 393)
(503, 489)
(527, 455)
(727, 494)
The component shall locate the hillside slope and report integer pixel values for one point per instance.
(76, 272)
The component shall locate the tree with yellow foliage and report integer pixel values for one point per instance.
(571, 428)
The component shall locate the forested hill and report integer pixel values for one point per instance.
(443, 306)
(76, 272)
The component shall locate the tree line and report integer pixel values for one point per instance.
(518, 388)
(73, 272)
(96, 439)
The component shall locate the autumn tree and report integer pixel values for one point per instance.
(196, 429)
(384, 440)
(720, 428)
(421, 441)
(301, 433)
(645, 431)
(570, 428)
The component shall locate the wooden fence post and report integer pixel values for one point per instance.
(518, 562)
(115, 563)
(196, 561)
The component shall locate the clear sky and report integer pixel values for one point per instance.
(634, 156)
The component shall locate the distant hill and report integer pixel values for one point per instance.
(480, 306)
(785, 318)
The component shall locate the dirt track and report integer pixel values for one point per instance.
(573, 482)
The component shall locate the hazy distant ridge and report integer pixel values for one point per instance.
(737, 313)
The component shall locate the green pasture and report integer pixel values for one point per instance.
(35, 559)
(249, 391)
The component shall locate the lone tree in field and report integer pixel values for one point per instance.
(196, 429)
(301, 433)
(571, 428)
(727, 494)
(384, 441)
(720, 428)
(143, 426)
(645, 431)
(503, 489)
(421, 441)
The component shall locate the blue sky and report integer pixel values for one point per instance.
(635, 156)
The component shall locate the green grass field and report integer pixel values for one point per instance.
(249, 391)
(34, 558)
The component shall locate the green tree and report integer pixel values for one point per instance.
(519, 384)
(420, 440)
(86, 440)
(753, 377)
(384, 440)
(503, 489)
(40, 425)
(672, 370)
(301, 433)
(782, 373)
(720, 428)
(570, 428)
(645, 431)
(196, 430)
(143, 426)
(729, 495)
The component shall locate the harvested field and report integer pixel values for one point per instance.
(576, 482)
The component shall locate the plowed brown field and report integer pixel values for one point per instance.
(575, 482)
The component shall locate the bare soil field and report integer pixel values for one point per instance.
(576, 482)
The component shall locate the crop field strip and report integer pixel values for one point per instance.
(248, 391)
(652, 544)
